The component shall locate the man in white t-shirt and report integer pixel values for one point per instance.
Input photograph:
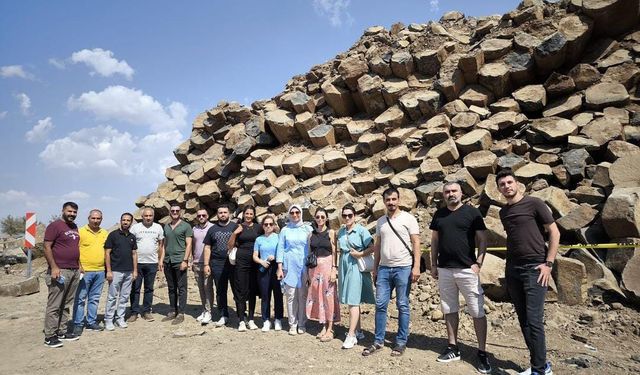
(397, 265)
(149, 237)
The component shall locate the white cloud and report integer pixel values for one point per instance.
(434, 5)
(18, 71)
(57, 63)
(18, 196)
(132, 106)
(334, 10)
(102, 62)
(103, 149)
(75, 196)
(40, 131)
(3, 114)
(25, 102)
(108, 198)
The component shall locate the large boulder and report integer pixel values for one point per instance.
(611, 17)
(493, 279)
(625, 172)
(570, 276)
(621, 213)
(20, 288)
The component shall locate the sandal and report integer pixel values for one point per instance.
(372, 349)
(321, 334)
(328, 336)
(398, 351)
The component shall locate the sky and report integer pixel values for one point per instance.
(95, 95)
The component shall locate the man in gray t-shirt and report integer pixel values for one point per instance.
(149, 237)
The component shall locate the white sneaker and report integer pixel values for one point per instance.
(199, 318)
(349, 342)
(206, 318)
(359, 335)
(252, 325)
(277, 325)
(122, 323)
(302, 330)
(242, 327)
(293, 330)
(547, 370)
(108, 325)
(266, 326)
(222, 322)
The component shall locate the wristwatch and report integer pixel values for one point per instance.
(549, 264)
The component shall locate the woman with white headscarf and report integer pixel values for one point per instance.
(293, 244)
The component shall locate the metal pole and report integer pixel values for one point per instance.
(29, 251)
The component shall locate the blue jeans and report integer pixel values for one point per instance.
(387, 279)
(147, 273)
(90, 288)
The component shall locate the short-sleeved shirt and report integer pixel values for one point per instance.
(457, 235)
(175, 243)
(198, 242)
(147, 240)
(217, 237)
(92, 248)
(266, 246)
(122, 245)
(393, 253)
(65, 243)
(524, 223)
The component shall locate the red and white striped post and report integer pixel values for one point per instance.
(29, 237)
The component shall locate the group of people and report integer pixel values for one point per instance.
(313, 268)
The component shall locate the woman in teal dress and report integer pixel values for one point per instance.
(355, 287)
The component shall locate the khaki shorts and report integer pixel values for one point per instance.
(463, 280)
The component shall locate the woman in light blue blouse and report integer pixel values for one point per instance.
(293, 244)
(264, 253)
(355, 287)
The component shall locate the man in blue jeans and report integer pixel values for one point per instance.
(397, 265)
(529, 264)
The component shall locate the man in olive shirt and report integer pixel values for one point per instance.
(176, 252)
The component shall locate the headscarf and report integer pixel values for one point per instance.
(292, 223)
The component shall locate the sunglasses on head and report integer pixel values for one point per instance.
(347, 216)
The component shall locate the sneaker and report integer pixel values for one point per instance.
(148, 317)
(359, 335)
(69, 336)
(170, 316)
(199, 318)
(132, 318)
(349, 342)
(121, 323)
(77, 330)
(179, 319)
(222, 322)
(452, 353)
(302, 330)
(277, 325)
(206, 318)
(94, 327)
(242, 326)
(293, 330)
(108, 325)
(484, 367)
(266, 326)
(252, 325)
(547, 370)
(53, 342)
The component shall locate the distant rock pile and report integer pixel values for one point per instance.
(549, 90)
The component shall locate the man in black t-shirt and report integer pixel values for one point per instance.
(121, 262)
(216, 259)
(529, 263)
(455, 229)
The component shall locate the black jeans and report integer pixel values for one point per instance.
(222, 275)
(528, 300)
(147, 275)
(246, 284)
(269, 284)
(177, 285)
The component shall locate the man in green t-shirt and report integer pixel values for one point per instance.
(176, 252)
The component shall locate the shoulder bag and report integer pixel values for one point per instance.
(365, 263)
(423, 263)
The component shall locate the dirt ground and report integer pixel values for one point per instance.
(161, 348)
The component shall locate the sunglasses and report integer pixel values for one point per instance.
(268, 224)
(175, 210)
(321, 217)
(201, 215)
(347, 216)
(294, 213)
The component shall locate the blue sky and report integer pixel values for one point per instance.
(94, 95)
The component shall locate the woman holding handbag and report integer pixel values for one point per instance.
(264, 254)
(356, 287)
(322, 298)
(293, 246)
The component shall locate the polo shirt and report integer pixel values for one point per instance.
(175, 241)
(92, 248)
(122, 245)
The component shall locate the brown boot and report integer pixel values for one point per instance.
(179, 319)
(170, 316)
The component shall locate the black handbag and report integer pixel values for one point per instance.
(423, 263)
(312, 260)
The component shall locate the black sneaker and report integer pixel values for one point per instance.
(451, 354)
(69, 336)
(53, 342)
(77, 330)
(94, 327)
(484, 367)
